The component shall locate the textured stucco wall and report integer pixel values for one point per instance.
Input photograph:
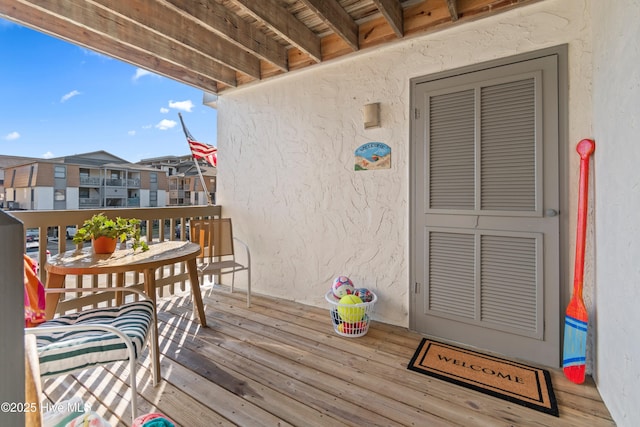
(617, 131)
(286, 154)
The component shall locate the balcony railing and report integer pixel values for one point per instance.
(159, 225)
(114, 182)
(93, 181)
(178, 194)
(87, 202)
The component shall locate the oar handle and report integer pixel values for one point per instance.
(585, 148)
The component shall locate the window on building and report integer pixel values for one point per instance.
(153, 177)
(60, 195)
(60, 172)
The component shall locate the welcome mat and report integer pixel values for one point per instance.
(512, 381)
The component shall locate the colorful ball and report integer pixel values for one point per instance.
(365, 294)
(342, 286)
(352, 328)
(348, 310)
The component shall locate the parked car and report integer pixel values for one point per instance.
(32, 235)
(71, 231)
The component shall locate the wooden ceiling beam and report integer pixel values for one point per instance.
(278, 19)
(60, 19)
(392, 12)
(170, 37)
(232, 28)
(167, 22)
(453, 9)
(334, 15)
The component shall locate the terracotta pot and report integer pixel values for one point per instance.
(104, 245)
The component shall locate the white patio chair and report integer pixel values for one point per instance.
(217, 250)
(99, 336)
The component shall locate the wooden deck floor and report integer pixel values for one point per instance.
(280, 364)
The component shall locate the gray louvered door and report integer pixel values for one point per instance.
(486, 193)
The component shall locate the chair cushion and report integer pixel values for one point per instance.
(61, 352)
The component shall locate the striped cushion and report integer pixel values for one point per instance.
(61, 352)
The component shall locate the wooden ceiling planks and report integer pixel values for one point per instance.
(215, 45)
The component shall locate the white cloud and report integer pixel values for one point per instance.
(90, 52)
(12, 136)
(164, 110)
(182, 105)
(47, 155)
(140, 72)
(147, 126)
(69, 95)
(131, 133)
(166, 124)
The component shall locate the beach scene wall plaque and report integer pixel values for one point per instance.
(373, 156)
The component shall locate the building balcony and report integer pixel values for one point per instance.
(278, 362)
(90, 181)
(114, 182)
(89, 202)
(133, 183)
(179, 194)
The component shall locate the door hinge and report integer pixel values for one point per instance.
(417, 113)
(416, 288)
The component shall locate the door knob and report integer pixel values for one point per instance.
(550, 212)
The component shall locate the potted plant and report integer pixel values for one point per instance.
(104, 230)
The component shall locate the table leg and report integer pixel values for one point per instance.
(192, 267)
(150, 290)
(54, 281)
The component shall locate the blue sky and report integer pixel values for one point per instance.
(59, 99)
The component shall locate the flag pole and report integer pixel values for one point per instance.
(204, 186)
(195, 160)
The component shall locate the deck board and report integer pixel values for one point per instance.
(279, 363)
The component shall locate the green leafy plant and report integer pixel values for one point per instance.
(123, 229)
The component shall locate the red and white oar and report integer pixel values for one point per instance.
(576, 317)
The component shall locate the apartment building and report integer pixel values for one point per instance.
(6, 162)
(83, 181)
(185, 184)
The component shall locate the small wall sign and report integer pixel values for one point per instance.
(373, 155)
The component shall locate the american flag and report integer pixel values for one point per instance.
(200, 150)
